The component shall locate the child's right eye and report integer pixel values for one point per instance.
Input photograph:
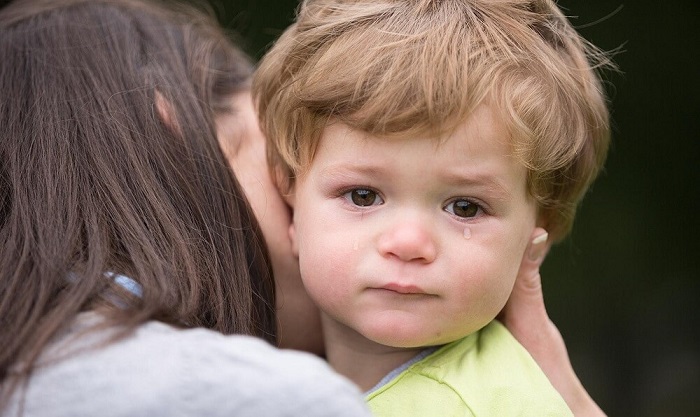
(363, 197)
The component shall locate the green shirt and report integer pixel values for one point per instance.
(487, 373)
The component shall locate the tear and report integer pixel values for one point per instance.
(467, 233)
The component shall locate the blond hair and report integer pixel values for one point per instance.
(415, 67)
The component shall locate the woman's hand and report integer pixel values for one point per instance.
(526, 318)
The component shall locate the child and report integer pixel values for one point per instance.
(423, 144)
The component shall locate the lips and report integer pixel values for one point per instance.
(403, 288)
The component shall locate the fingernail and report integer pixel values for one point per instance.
(538, 246)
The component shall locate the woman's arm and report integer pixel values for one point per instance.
(526, 318)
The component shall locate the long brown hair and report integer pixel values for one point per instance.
(94, 180)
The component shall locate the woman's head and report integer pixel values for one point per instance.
(109, 162)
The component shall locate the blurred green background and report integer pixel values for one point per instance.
(623, 288)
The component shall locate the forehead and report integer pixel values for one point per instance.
(482, 130)
(477, 150)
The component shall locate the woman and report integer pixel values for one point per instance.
(128, 248)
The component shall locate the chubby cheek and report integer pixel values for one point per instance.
(477, 301)
(325, 263)
(508, 271)
(492, 274)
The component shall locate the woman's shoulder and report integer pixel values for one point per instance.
(162, 370)
(248, 373)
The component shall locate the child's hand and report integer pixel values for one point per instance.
(526, 318)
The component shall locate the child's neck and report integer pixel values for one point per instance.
(361, 360)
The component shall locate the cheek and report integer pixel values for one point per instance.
(510, 245)
(490, 284)
(327, 258)
(318, 251)
(508, 268)
(491, 270)
(324, 273)
(509, 262)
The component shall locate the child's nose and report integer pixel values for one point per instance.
(408, 239)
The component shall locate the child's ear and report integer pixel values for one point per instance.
(284, 184)
(289, 198)
(293, 238)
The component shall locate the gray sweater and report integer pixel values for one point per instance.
(163, 371)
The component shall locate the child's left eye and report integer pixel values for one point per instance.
(363, 197)
(462, 208)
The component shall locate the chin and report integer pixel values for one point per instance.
(402, 336)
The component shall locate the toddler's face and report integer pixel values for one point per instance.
(413, 242)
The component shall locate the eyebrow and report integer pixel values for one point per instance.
(343, 170)
(484, 181)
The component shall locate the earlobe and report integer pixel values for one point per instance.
(286, 187)
(289, 198)
(293, 238)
